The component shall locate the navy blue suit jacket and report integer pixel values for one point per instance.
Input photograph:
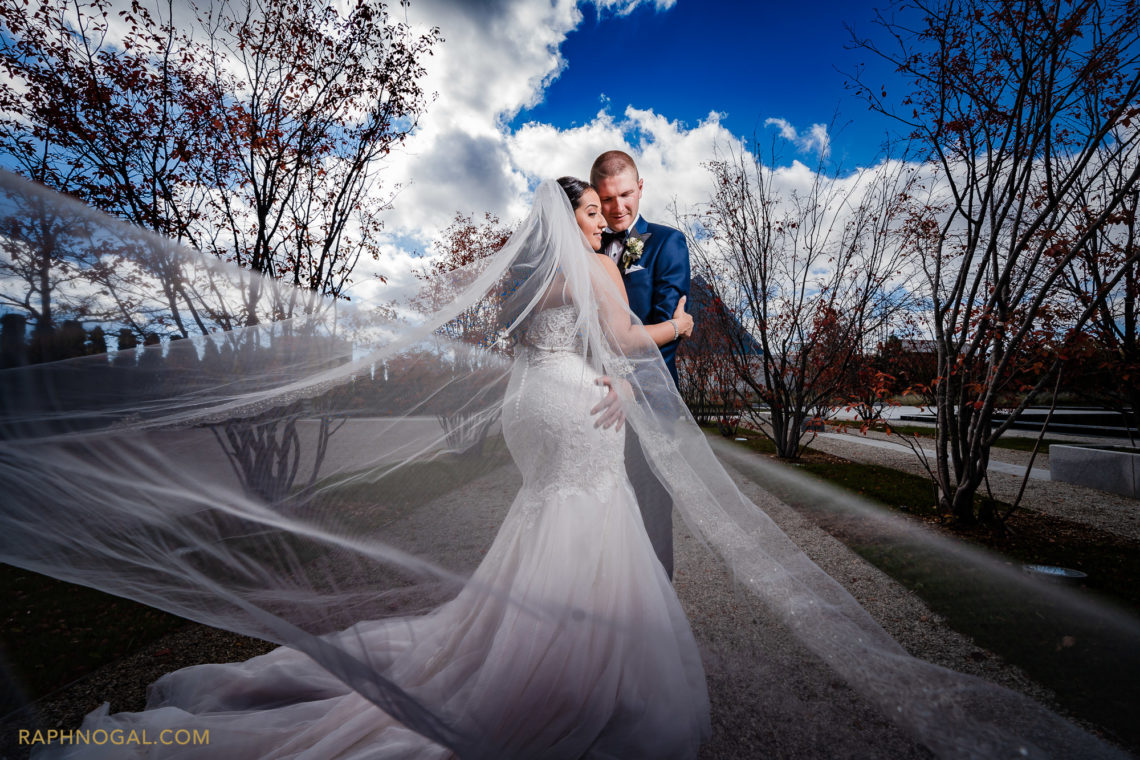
(662, 279)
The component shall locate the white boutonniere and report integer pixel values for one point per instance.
(634, 247)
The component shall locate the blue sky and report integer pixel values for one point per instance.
(750, 61)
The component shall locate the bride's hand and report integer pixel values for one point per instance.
(683, 319)
(610, 406)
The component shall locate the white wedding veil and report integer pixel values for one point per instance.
(295, 465)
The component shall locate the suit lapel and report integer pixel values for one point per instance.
(636, 288)
(642, 228)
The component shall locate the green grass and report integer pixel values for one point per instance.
(901, 490)
(54, 632)
(1088, 665)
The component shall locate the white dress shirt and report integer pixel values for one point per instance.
(617, 246)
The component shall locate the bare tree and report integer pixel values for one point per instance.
(123, 126)
(802, 279)
(318, 100)
(257, 134)
(708, 378)
(1020, 108)
(1111, 357)
(44, 265)
(475, 335)
(463, 244)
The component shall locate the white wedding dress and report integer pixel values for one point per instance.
(567, 642)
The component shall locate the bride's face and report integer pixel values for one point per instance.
(590, 219)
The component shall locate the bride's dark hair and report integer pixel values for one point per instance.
(514, 301)
(573, 187)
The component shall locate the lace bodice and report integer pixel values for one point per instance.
(547, 417)
(554, 330)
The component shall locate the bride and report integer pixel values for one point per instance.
(324, 478)
(567, 642)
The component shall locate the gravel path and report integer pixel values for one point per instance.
(749, 656)
(770, 697)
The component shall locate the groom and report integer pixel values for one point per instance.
(656, 275)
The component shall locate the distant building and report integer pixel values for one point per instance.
(707, 351)
(918, 346)
(700, 306)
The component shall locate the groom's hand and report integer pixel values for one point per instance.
(609, 407)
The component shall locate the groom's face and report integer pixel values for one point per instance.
(620, 195)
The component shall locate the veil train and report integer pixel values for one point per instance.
(311, 469)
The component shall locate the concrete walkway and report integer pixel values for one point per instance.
(1036, 473)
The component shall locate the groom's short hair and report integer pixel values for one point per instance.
(611, 163)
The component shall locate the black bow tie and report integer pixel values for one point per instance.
(609, 237)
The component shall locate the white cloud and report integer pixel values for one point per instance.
(625, 7)
(543, 150)
(498, 58)
(671, 156)
(816, 139)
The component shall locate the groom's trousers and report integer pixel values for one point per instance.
(653, 499)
